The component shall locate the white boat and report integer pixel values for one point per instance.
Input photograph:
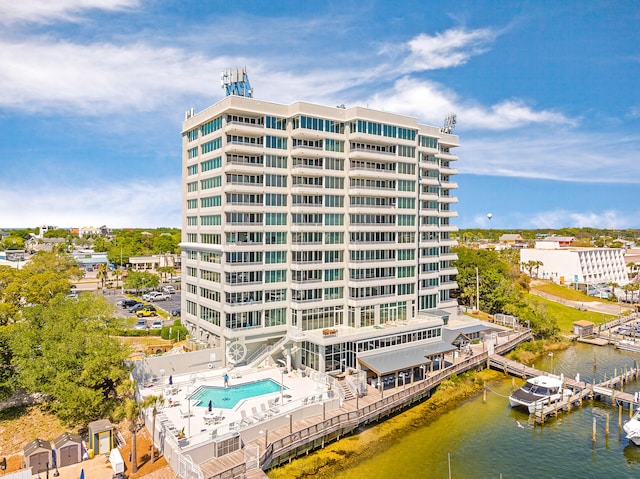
(632, 428)
(538, 392)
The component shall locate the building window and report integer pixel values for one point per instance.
(211, 126)
(275, 142)
(210, 146)
(211, 164)
(275, 219)
(210, 220)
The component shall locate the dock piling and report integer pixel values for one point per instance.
(619, 416)
(593, 432)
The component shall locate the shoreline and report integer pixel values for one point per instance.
(357, 448)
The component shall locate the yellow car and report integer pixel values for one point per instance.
(146, 311)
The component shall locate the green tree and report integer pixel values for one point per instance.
(164, 243)
(65, 352)
(7, 372)
(140, 280)
(541, 323)
(497, 276)
(165, 270)
(12, 242)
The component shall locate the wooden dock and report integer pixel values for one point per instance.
(304, 436)
(609, 390)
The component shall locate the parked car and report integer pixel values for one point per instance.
(146, 311)
(175, 312)
(157, 324)
(127, 303)
(141, 324)
(136, 307)
(148, 296)
(169, 289)
(160, 297)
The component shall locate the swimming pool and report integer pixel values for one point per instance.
(228, 397)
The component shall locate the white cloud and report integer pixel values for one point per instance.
(555, 155)
(128, 204)
(560, 218)
(451, 48)
(38, 75)
(44, 11)
(431, 102)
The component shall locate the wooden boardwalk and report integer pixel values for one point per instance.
(610, 390)
(315, 432)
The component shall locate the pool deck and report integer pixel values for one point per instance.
(196, 421)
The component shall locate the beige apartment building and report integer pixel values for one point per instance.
(317, 235)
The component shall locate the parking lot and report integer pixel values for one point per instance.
(174, 302)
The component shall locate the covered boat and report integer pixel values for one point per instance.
(538, 392)
(632, 428)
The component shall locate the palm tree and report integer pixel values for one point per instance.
(131, 409)
(537, 265)
(154, 402)
(632, 266)
(117, 274)
(103, 272)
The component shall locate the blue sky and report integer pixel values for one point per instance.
(93, 94)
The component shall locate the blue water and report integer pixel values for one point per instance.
(489, 439)
(228, 397)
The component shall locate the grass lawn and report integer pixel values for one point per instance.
(567, 315)
(564, 292)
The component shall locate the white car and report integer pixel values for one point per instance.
(156, 296)
(169, 289)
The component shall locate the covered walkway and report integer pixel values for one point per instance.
(411, 363)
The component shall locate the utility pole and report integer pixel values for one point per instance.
(477, 290)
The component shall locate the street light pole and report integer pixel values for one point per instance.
(290, 416)
(282, 386)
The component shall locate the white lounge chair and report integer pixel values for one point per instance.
(257, 415)
(185, 414)
(246, 420)
(273, 406)
(265, 411)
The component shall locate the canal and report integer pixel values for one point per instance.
(478, 439)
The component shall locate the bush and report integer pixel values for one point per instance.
(177, 332)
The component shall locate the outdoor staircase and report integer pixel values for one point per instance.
(348, 394)
(264, 352)
(120, 439)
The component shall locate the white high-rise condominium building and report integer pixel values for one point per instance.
(315, 233)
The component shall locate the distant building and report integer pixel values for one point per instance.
(92, 231)
(632, 260)
(512, 240)
(580, 266)
(44, 229)
(153, 262)
(553, 242)
(90, 259)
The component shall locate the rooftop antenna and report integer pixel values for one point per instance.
(236, 82)
(449, 123)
